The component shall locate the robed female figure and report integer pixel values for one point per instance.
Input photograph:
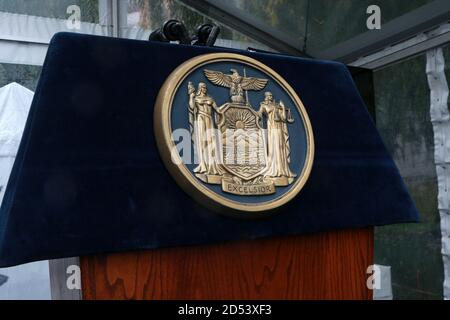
(203, 132)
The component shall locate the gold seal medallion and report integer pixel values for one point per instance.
(233, 133)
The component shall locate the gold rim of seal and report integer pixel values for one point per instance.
(185, 179)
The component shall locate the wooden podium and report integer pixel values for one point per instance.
(329, 265)
(320, 266)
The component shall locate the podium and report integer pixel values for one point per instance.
(101, 186)
(328, 265)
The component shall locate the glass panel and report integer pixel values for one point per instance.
(332, 22)
(329, 22)
(288, 16)
(24, 75)
(402, 113)
(151, 14)
(52, 8)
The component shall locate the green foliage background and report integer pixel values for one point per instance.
(403, 118)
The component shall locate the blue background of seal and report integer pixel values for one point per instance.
(297, 131)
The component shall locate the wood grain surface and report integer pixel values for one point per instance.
(321, 266)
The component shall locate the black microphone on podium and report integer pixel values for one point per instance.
(172, 30)
(175, 30)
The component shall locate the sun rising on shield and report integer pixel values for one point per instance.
(243, 157)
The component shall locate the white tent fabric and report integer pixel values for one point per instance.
(30, 281)
(26, 282)
(15, 102)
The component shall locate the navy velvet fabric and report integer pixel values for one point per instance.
(88, 177)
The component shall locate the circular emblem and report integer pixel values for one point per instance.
(233, 133)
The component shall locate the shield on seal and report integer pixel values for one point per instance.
(243, 142)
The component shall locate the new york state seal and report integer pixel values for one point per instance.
(233, 133)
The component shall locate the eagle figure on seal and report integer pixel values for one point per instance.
(237, 83)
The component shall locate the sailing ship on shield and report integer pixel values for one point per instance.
(244, 150)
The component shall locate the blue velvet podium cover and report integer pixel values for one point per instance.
(88, 177)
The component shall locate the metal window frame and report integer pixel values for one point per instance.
(398, 30)
(410, 48)
(401, 29)
(110, 12)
